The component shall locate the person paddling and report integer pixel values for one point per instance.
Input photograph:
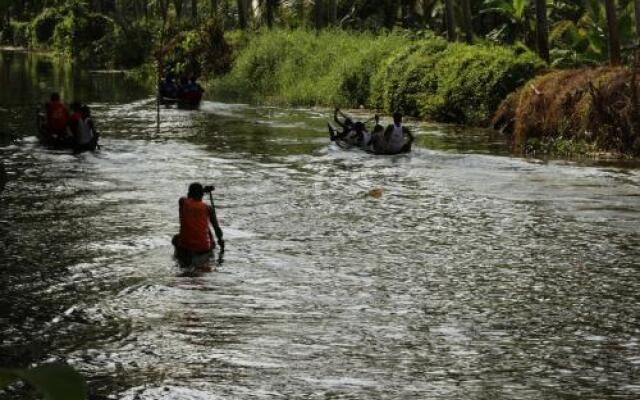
(395, 134)
(195, 239)
(346, 125)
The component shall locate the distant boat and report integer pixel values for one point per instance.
(188, 97)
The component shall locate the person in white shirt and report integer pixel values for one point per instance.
(394, 136)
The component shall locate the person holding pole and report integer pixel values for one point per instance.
(194, 244)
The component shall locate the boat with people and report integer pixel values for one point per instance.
(61, 128)
(185, 94)
(394, 139)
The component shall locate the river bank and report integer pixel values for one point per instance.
(419, 74)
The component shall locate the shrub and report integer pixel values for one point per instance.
(16, 34)
(129, 47)
(302, 67)
(452, 82)
(195, 51)
(418, 74)
(44, 25)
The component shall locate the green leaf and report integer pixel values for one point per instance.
(56, 382)
(7, 376)
(519, 7)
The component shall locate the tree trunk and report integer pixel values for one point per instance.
(542, 29)
(242, 14)
(178, 6)
(637, 2)
(318, 14)
(333, 12)
(163, 7)
(214, 8)
(468, 21)
(299, 7)
(451, 25)
(614, 35)
(270, 6)
(194, 10)
(390, 13)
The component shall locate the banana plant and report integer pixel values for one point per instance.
(584, 41)
(515, 20)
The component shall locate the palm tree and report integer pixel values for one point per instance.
(542, 29)
(468, 23)
(451, 27)
(614, 35)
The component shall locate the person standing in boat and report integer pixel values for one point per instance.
(195, 237)
(394, 136)
(57, 117)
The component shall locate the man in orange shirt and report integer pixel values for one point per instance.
(57, 116)
(195, 238)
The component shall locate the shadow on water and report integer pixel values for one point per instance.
(473, 276)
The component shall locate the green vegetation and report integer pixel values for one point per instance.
(420, 75)
(300, 67)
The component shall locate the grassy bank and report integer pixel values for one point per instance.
(419, 74)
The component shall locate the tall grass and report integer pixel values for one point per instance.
(304, 68)
(418, 74)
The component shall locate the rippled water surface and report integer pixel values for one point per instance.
(476, 275)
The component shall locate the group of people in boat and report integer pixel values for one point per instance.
(187, 89)
(393, 139)
(70, 127)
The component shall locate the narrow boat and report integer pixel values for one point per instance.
(183, 100)
(57, 141)
(347, 144)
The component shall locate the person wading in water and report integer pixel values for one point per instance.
(194, 244)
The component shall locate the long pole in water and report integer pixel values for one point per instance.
(159, 60)
(215, 218)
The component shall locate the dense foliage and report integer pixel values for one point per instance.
(420, 75)
(578, 29)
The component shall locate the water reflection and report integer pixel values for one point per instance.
(475, 275)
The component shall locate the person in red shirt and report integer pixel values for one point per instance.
(195, 237)
(57, 116)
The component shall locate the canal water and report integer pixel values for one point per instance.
(476, 274)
